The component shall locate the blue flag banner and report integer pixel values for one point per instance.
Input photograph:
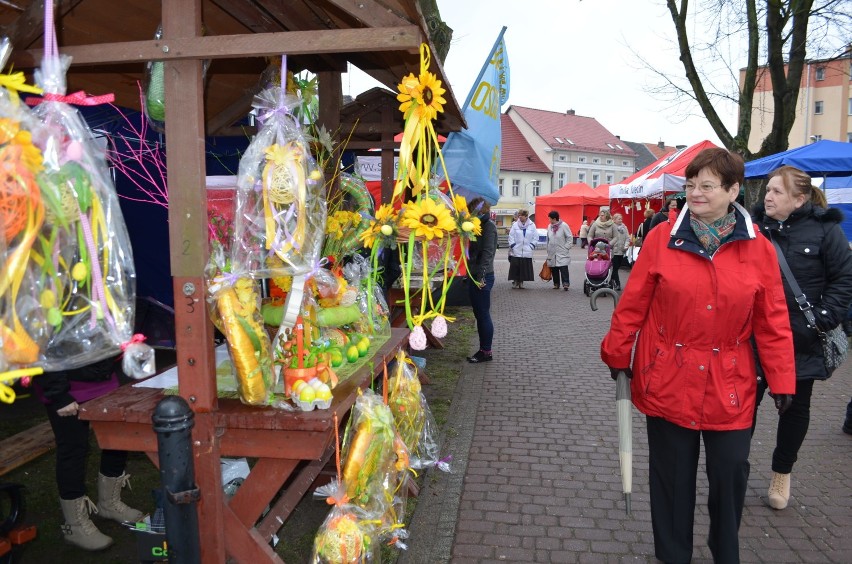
(472, 156)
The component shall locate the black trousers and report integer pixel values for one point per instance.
(617, 261)
(792, 425)
(560, 273)
(72, 450)
(673, 466)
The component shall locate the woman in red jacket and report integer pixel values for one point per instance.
(701, 288)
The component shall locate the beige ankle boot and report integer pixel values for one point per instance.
(110, 505)
(78, 528)
(779, 490)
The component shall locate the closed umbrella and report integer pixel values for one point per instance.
(624, 415)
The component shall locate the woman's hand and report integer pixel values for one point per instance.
(71, 409)
(782, 402)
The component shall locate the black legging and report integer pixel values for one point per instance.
(792, 425)
(72, 449)
(616, 265)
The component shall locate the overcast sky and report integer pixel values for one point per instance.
(573, 54)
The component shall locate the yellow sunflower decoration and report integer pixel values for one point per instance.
(428, 218)
(429, 221)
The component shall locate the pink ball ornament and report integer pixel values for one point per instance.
(74, 151)
(417, 338)
(439, 327)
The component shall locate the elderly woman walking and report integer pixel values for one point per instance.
(619, 244)
(522, 238)
(795, 217)
(703, 286)
(559, 243)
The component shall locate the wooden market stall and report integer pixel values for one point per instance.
(110, 42)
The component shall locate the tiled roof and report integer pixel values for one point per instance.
(658, 151)
(644, 156)
(570, 132)
(517, 155)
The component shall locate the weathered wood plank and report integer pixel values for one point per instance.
(402, 38)
(25, 446)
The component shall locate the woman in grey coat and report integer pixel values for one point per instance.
(619, 243)
(560, 239)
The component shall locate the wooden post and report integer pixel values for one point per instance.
(185, 154)
(330, 92)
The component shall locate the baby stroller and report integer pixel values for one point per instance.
(598, 266)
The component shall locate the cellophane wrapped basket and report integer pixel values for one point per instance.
(280, 201)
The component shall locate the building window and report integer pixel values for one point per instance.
(561, 177)
(596, 178)
(536, 188)
(625, 163)
(596, 161)
(849, 137)
(818, 107)
(581, 177)
(609, 178)
(610, 161)
(815, 138)
(623, 178)
(849, 109)
(581, 159)
(562, 157)
(820, 73)
(516, 186)
(500, 186)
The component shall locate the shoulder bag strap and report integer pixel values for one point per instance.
(801, 299)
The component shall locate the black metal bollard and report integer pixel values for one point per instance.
(173, 422)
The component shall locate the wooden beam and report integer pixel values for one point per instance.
(403, 38)
(366, 12)
(237, 110)
(184, 103)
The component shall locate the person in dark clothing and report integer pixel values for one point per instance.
(644, 227)
(795, 216)
(669, 212)
(480, 273)
(62, 393)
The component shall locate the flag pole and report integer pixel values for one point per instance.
(484, 68)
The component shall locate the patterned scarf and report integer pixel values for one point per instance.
(555, 227)
(713, 235)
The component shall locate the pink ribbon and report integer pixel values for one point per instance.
(77, 98)
(136, 338)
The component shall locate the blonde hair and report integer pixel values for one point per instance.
(798, 182)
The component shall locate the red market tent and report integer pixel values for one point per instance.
(661, 177)
(573, 202)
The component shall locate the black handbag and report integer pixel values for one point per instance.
(835, 345)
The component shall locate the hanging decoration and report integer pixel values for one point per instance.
(425, 227)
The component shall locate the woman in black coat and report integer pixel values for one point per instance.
(795, 215)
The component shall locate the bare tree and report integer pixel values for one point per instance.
(770, 36)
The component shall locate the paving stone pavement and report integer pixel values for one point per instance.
(535, 465)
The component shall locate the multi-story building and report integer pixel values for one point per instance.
(523, 175)
(823, 109)
(574, 148)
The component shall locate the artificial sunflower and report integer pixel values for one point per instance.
(428, 218)
(382, 228)
(421, 96)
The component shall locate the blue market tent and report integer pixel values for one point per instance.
(838, 192)
(828, 160)
(823, 158)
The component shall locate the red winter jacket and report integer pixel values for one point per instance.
(694, 316)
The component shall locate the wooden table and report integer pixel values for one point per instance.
(290, 447)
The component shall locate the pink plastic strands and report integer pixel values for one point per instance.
(97, 280)
(149, 173)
